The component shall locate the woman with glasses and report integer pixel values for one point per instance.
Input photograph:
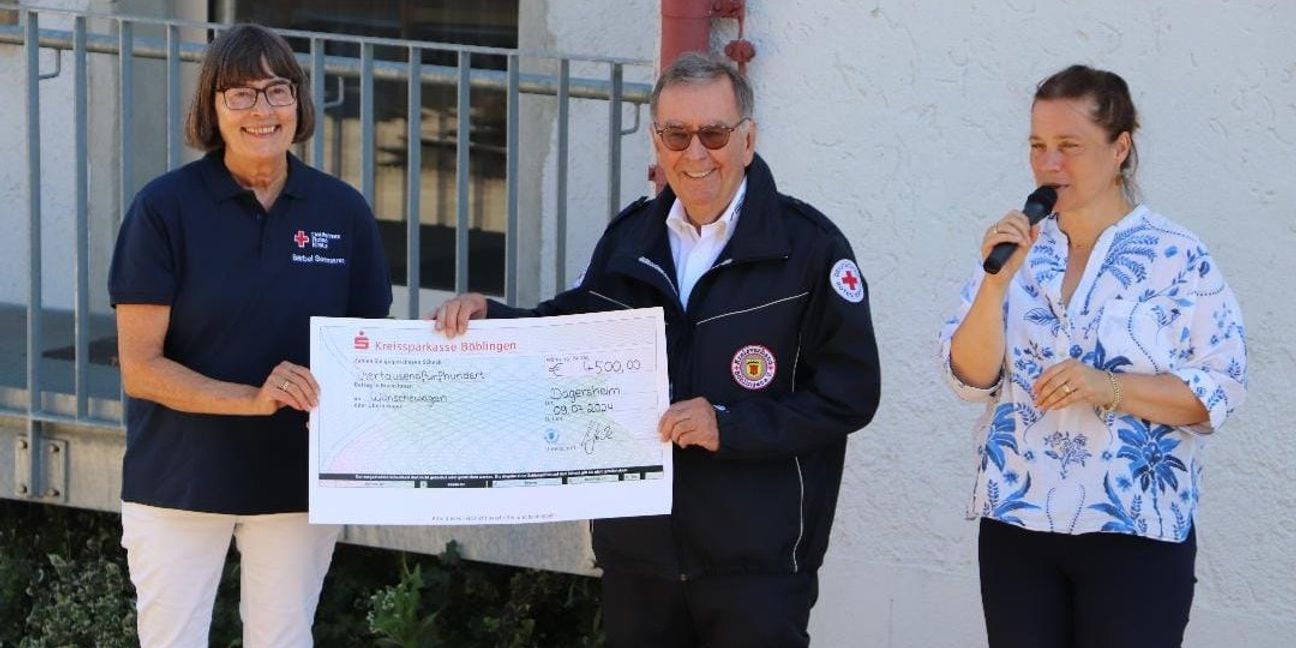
(219, 266)
(1107, 350)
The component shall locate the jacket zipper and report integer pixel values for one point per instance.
(679, 550)
(652, 264)
(727, 263)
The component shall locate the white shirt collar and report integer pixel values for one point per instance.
(678, 221)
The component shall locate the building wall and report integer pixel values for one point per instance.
(592, 28)
(13, 181)
(907, 124)
(57, 168)
(58, 158)
(919, 120)
(611, 29)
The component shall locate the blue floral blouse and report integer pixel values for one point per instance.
(1151, 301)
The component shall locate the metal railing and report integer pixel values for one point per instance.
(38, 471)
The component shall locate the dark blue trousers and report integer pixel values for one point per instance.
(739, 611)
(1094, 590)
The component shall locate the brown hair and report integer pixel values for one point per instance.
(1113, 109)
(238, 55)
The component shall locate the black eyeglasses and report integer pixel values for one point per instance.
(276, 94)
(677, 138)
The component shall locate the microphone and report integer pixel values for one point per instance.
(1038, 205)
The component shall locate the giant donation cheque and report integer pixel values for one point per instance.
(519, 420)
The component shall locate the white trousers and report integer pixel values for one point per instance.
(176, 557)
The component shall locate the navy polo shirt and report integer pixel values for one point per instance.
(242, 285)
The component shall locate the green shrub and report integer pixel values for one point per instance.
(449, 601)
(80, 603)
(64, 582)
(63, 579)
(16, 569)
(394, 614)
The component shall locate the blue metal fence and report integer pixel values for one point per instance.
(41, 473)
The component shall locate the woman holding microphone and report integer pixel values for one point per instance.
(1107, 350)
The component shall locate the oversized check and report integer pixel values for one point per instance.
(519, 420)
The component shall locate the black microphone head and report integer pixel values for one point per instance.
(1040, 203)
(1046, 196)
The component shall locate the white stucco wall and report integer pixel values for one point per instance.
(606, 29)
(57, 150)
(57, 169)
(579, 28)
(907, 123)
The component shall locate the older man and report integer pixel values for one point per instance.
(772, 364)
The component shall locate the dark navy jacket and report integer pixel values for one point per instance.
(777, 335)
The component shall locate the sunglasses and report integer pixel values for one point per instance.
(677, 138)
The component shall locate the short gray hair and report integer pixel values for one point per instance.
(700, 67)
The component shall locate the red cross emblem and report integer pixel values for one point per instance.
(850, 280)
(845, 280)
(300, 239)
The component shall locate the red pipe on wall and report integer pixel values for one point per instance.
(685, 27)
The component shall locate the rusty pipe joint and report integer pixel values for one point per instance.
(740, 51)
(736, 9)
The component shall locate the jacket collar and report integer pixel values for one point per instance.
(758, 235)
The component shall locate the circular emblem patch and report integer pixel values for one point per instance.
(846, 280)
(753, 366)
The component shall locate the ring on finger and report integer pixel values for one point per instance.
(1069, 389)
(284, 386)
(995, 229)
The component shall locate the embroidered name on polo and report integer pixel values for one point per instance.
(317, 258)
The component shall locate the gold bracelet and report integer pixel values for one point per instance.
(1108, 409)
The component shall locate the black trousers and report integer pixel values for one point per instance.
(1095, 590)
(739, 611)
